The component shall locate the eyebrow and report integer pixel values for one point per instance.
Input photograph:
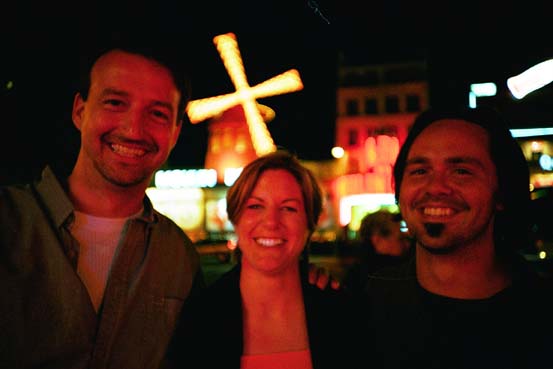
(453, 160)
(113, 91)
(290, 199)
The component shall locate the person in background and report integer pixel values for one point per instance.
(468, 299)
(263, 313)
(382, 243)
(92, 275)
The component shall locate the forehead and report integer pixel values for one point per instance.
(276, 181)
(133, 70)
(451, 137)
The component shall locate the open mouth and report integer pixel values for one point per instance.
(438, 211)
(129, 152)
(269, 242)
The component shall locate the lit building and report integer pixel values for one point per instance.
(376, 106)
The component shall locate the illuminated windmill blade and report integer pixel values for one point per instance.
(228, 49)
(261, 138)
(199, 110)
(283, 83)
(202, 109)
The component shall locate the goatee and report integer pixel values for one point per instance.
(434, 230)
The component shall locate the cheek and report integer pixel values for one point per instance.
(243, 226)
(164, 140)
(403, 200)
(299, 228)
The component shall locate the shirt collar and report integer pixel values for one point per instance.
(60, 207)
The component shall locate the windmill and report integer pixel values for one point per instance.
(243, 100)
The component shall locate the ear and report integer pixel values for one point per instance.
(176, 134)
(78, 110)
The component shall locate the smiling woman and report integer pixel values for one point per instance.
(273, 314)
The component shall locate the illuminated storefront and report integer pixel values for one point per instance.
(538, 151)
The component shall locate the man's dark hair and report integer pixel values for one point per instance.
(160, 48)
(512, 225)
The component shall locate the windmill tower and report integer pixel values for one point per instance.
(237, 132)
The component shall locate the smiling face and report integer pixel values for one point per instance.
(448, 191)
(128, 124)
(272, 228)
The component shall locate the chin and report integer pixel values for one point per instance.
(438, 248)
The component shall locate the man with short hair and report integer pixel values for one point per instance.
(92, 275)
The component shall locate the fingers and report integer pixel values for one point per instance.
(320, 277)
(323, 279)
(313, 273)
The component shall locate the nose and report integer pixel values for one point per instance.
(133, 124)
(438, 184)
(272, 217)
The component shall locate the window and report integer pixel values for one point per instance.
(352, 134)
(413, 103)
(392, 104)
(371, 106)
(352, 107)
(386, 130)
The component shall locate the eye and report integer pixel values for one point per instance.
(254, 206)
(290, 209)
(161, 116)
(462, 171)
(417, 171)
(114, 102)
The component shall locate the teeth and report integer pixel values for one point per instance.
(438, 212)
(269, 242)
(127, 151)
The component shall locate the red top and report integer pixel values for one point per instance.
(279, 360)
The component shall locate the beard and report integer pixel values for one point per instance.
(122, 179)
(435, 230)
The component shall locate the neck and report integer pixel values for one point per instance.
(273, 311)
(272, 289)
(470, 272)
(103, 199)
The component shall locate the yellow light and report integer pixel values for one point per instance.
(202, 109)
(542, 255)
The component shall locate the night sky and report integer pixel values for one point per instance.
(475, 43)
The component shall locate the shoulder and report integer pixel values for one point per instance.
(394, 284)
(170, 233)
(12, 197)
(340, 303)
(403, 272)
(222, 295)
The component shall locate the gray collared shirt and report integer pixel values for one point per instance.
(46, 317)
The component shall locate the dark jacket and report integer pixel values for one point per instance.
(209, 334)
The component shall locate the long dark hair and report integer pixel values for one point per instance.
(512, 225)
